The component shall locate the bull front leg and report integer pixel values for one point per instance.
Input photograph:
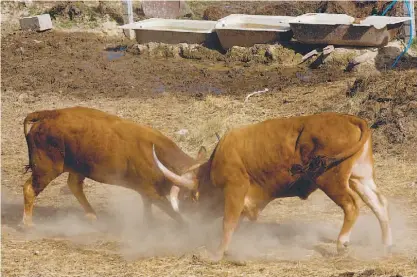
(234, 194)
(148, 218)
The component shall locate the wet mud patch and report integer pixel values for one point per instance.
(77, 64)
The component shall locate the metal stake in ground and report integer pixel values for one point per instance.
(128, 18)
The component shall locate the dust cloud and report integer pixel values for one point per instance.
(120, 221)
(50, 222)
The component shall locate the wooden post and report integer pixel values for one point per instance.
(409, 25)
(128, 17)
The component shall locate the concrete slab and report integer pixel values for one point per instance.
(248, 30)
(164, 9)
(342, 29)
(173, 31)
(37, 23)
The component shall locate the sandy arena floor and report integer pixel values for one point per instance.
(292, 238)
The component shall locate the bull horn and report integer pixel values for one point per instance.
(173, 197)
(193, 167)
(175, 178)
(218, 137)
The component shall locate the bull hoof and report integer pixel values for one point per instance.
(342, 249)
(92, 218)
(388, 250)
(237, 262)
(26, 225)
(215, 257)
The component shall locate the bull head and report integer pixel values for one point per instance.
(186, 180)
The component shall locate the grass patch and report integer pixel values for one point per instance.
(414, 44)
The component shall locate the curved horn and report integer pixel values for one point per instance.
(176, 179)
(193, 167)
(173, 197)
(218, 137)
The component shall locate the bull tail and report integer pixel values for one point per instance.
(335, 160)
(319, 164)
(32, 118)
(35, 117)
(365, 134)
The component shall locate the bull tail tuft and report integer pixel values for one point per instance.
(27, 168)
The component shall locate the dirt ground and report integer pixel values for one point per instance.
(292, 238)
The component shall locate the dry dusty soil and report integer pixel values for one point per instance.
(292, 237)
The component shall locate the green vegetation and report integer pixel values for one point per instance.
(34, 10)
(414, 44)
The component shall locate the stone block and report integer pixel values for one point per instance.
(37, 23)
(165, 9)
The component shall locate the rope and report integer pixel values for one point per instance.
(407, 3)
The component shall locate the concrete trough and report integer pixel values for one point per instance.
(173, 31)
(342, 29)
(248, 30)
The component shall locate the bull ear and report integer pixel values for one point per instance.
(202, 153)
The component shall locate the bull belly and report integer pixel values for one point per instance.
(301, 188)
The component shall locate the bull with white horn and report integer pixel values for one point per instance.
(288, 157)
(89, 143)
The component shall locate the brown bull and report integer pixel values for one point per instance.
(89, 143)
(287, 157)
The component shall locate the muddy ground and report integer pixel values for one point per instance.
(292, 238)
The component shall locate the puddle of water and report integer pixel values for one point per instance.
(117, 52)
(118, 48)
(114, 55)
(204, 88)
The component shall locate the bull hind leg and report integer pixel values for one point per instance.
(350, 205)
(340, 192)
(31, 189)
(76, 184)
(367, 190)
(29, 200)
